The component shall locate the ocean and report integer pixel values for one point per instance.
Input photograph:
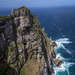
(59, 24)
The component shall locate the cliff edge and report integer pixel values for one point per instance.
(25, 48)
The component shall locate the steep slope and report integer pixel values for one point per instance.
(25, 48)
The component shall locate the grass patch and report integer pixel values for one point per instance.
(4, 17)
(30, 68)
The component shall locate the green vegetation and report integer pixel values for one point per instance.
(19, 29)
(19, 57)
(30, 68)
(35, 20)
(5, 17)
(10, 51)
(47, 40)
(22, 72)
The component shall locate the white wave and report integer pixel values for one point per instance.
(58, 56)
(69, 52)
(65, 66)
(60, 44)
(63, 40)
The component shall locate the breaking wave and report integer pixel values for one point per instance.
(60, 44)
(64, 68)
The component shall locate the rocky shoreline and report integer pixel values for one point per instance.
(25, 48)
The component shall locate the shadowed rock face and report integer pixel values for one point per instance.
(23, 44)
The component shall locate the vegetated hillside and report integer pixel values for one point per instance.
(25, 48)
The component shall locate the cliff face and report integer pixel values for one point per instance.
(25, 48)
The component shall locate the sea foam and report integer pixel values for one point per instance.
(60, 44)
(65, 66)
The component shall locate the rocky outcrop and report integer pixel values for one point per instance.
(24, 45)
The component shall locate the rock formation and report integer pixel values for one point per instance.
(25, 48)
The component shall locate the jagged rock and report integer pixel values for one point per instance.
(53, 54)
(21, 32)
(58, 62)
(23, 11)
(44, 71)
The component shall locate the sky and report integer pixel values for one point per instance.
(36, 3)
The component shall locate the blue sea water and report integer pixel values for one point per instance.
(59, 24)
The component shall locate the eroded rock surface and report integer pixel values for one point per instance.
(25, 48)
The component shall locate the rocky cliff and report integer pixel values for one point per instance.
(25, 48)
